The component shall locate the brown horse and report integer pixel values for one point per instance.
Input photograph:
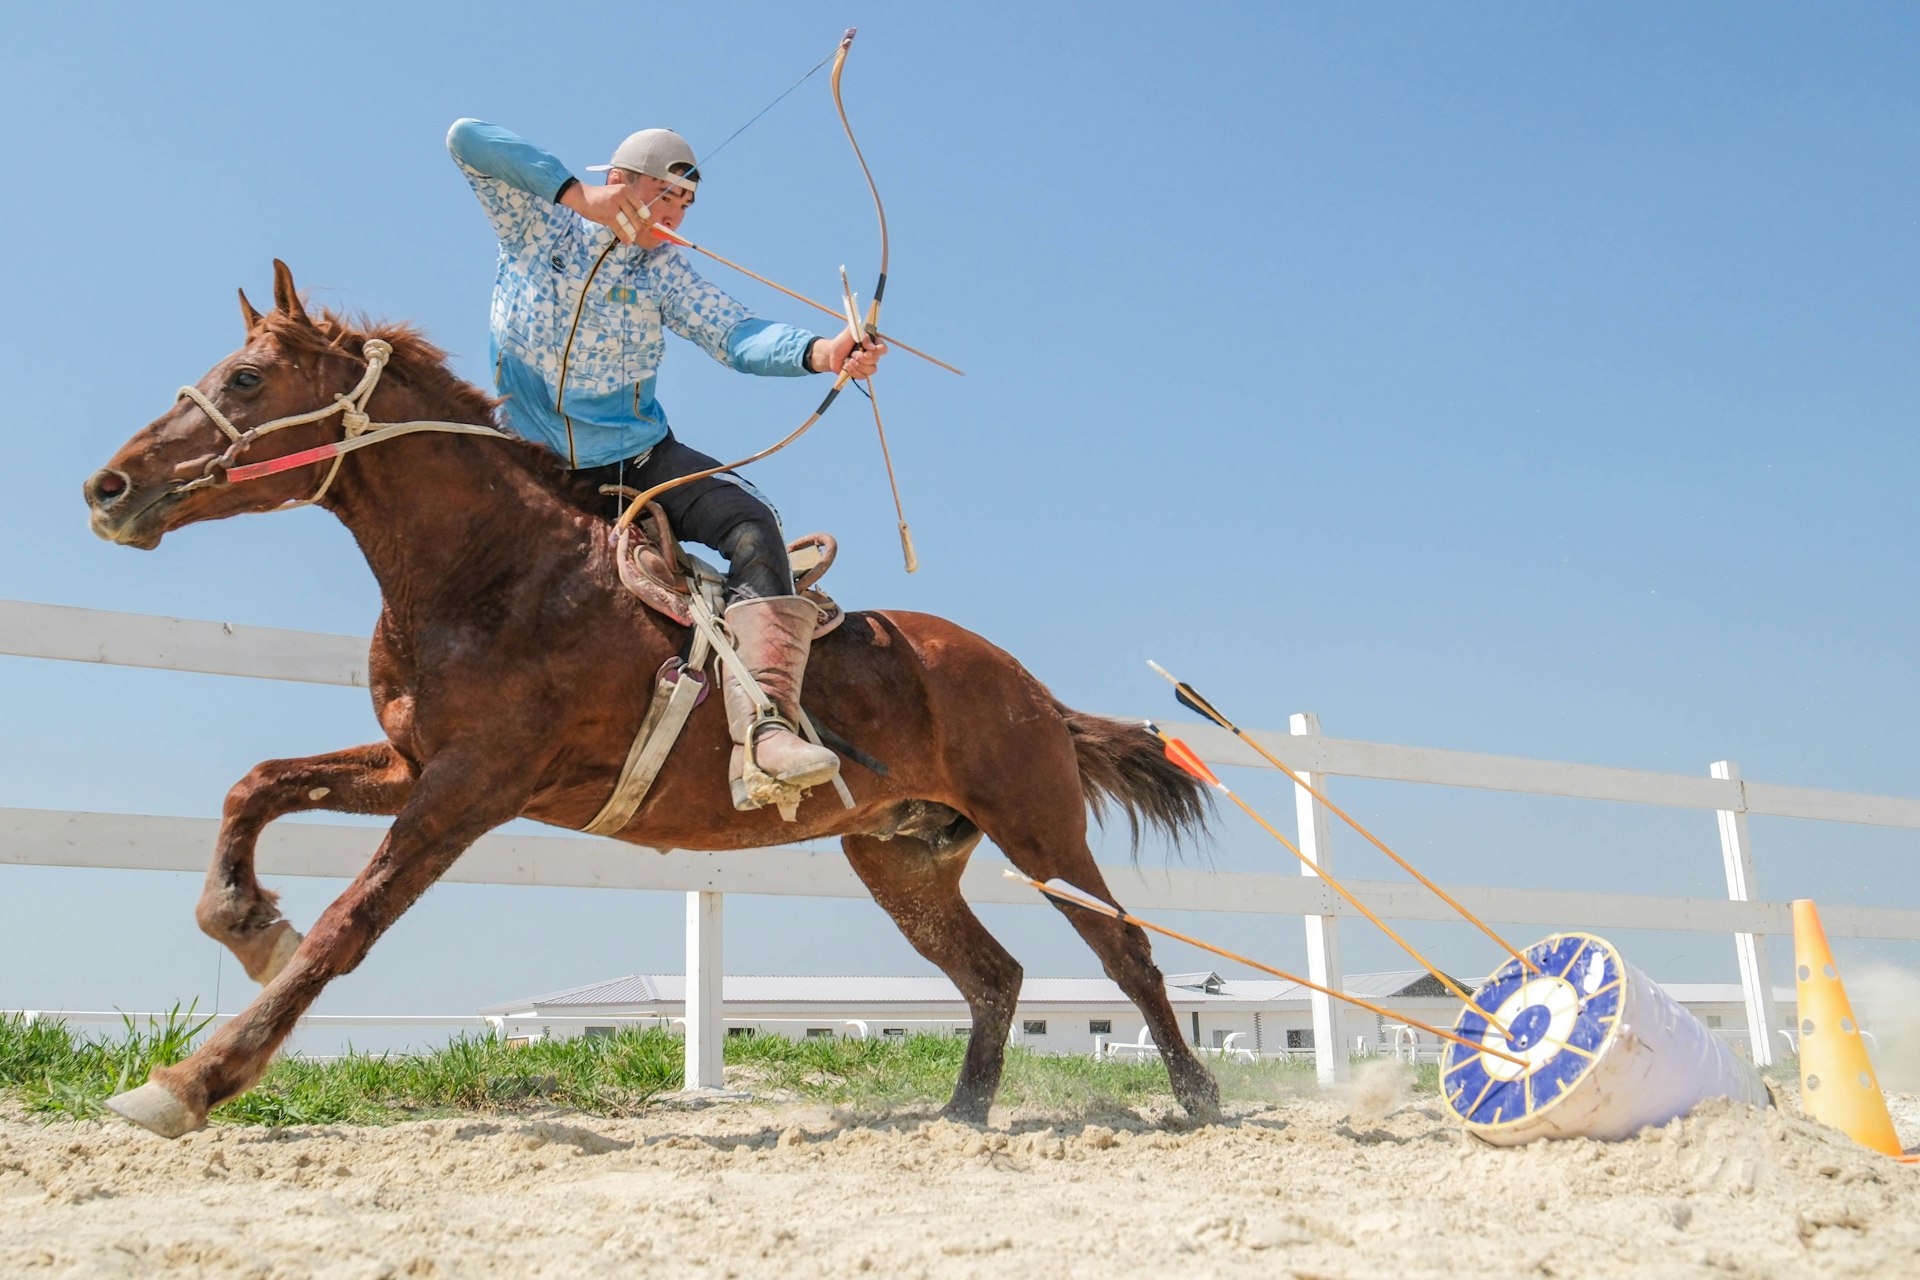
(510, 670)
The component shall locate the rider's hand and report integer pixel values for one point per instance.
(604, 205)
(837, 355)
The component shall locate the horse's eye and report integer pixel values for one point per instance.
(245, 379)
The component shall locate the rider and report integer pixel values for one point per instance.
(582, 291)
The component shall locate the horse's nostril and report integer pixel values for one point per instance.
(106, 486)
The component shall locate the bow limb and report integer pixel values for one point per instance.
(871, 326)
(879, 209)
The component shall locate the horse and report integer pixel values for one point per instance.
(510, 670)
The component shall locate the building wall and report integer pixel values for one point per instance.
(1069, 1029)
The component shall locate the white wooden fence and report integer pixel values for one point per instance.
(76, 839)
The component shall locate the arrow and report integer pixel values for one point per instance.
(1065, 893)
(1184, 756)
(886, 454)
(1190, 698)
(674, 237)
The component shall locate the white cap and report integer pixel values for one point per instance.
(654, 152)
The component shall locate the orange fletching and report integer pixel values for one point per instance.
(1183, 755)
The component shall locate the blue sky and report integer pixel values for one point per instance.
(1536, 380)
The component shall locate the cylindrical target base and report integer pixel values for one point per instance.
(1608, 1052)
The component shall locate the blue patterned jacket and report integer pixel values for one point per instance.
(578, 315)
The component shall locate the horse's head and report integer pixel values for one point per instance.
(174, 471)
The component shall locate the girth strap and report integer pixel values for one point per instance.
(678, 688)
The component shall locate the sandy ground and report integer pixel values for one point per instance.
(1370, 1182)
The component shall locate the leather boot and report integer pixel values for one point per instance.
(773, 636)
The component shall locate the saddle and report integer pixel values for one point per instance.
(680, 585)
(664, 575)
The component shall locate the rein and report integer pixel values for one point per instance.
(220, 469)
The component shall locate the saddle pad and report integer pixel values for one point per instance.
(642, 562)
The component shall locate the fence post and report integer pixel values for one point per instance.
(1323, 932)
(705, 973)
(1736, 850)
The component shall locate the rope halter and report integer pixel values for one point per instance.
(359, 432)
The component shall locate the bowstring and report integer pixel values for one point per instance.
(646, 210)
(770, 106)
(701, 166)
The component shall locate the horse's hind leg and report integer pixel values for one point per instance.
(918, 884)
(234, 909)
(1128, 960)
(1045, 849)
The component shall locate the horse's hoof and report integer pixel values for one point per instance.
(965, 1113)
(153, 1108)
(1201, 1111)
(286, 941)
(1200, 1099)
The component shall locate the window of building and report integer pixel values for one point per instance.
(819, 1033)
(739, 1033)
(1713, 1019)
(1220, 1038)
(1033, 1027)
(595, 1033)
(1100, 1026)
(894, 1033)
(1300, 1038)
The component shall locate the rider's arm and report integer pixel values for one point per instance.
(703, 314)
(518, 183)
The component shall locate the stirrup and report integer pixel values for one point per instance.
(752, 787)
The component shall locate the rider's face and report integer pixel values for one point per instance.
(665, 203)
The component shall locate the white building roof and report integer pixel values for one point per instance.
(814, 990)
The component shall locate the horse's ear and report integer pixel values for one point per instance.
(248, 314)
(285, 297)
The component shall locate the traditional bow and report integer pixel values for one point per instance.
(865, 331)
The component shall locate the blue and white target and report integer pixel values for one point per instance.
(1604, 1052)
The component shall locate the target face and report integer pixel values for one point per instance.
(1556, 1017)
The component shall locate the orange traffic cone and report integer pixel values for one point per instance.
(1837, 1084)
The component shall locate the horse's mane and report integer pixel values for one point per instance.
(419, 364)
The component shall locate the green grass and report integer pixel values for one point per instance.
(60, 1075)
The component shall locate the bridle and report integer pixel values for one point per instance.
(360, 431)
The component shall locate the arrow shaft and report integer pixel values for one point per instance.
(674, 237)
(1206, 708)
(1328, 877)
(1377, 843)
(1128, 918)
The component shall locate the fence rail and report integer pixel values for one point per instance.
(134, 842)
(138, 842)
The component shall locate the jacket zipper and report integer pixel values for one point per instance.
(566, 352)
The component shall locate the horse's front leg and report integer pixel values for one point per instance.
(234, 909)
(455, 801)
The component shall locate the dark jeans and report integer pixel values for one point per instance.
(723, 512)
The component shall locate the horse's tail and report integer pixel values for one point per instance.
(1122, 765)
